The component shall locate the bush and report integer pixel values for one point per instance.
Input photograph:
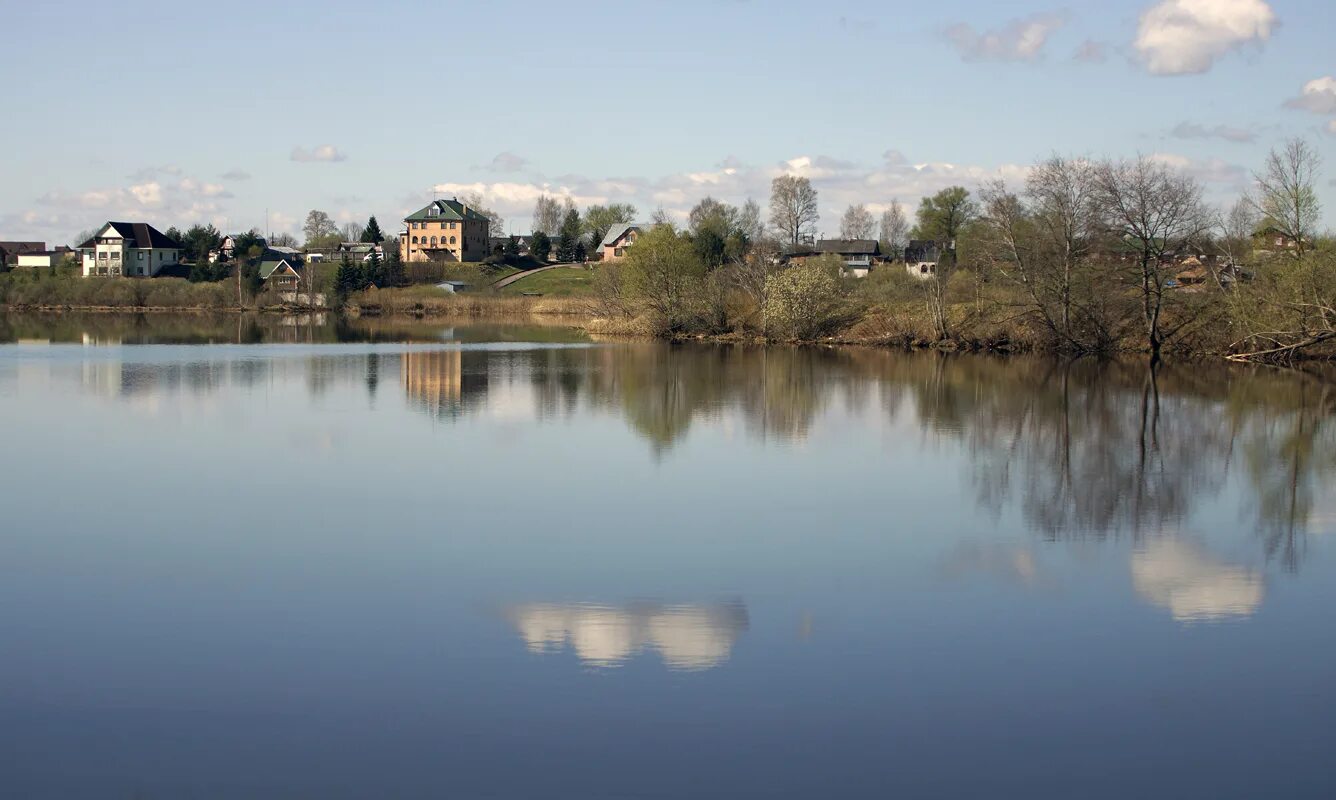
(802, 302)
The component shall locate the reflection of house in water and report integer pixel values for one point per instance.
(687, 637)
(444, 383)
(1194, 585)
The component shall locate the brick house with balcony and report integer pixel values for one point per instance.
(131, 249)
(446, 230)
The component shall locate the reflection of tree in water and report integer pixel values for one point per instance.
(1288, 446)
(1091, 448)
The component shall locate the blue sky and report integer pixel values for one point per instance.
(218, 113)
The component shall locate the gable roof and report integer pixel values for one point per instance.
(860, 247)
(137, 234)
(446, 210)
(618, 231)
(268, 268)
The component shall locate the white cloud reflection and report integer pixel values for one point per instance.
(686, 637)
(1194, 585)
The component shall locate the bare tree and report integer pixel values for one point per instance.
(1286, 197)
(351, 232)
(894, 230)
(1236, 228)
(749, 221)
(793, 208)
(1156, 213)
(496, 224)
(549, 212)
(857, 223)
(1062, 193)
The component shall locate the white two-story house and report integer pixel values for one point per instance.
(131, 249)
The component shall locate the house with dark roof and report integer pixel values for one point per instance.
(445, 230)
(921, 257)
(10, 251)
(128, 249)
(619, 238)
(281, 273)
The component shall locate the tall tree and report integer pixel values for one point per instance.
(894, 230)
(857, 223)
(714, 216)
(549, 212)
(1287, 194)
(1156, 212)
(570, 248)
(198, 241)
(943, 216)
(941, 219)
(749, 221)
(540, 246)
(394, 268)
(371, 234)
(319, 229)
(793, 208)
(598, 220)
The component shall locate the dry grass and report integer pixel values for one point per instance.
(430, 301)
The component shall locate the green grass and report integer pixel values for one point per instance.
(560, 282)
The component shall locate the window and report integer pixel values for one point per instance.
(433, 241)
(102, 255)
(115, 255)
(414, 240)
(160, 255)
(141, 255)
(452, 226)
(452, 240)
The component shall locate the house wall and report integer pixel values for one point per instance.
(922, 270)
(34, 260)
(621, 243)
(471, 237)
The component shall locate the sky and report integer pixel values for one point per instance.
(250, 114)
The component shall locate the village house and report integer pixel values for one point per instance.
(45, 258)
(619, 238)
(921, 258)
(445, 230)
(10, 251)
(130, 249)
(228, 247)
(281, 273)
(859, 255)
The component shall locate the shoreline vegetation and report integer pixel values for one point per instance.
(1100, 258)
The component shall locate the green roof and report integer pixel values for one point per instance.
(267, 268)
(444, 210)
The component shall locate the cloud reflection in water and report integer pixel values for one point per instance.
(686, 637)
(1194, 585)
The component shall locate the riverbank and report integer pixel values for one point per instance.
(898, 322)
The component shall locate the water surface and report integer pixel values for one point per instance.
(267, 559)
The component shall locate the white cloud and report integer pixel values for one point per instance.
(1194, 130)
(1331, 127)
(1318, 96)
(1185, 37)
(324, 152)
(236, 175)
(162, 203)
(1019, 40)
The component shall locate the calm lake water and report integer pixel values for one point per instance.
(270, 560)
